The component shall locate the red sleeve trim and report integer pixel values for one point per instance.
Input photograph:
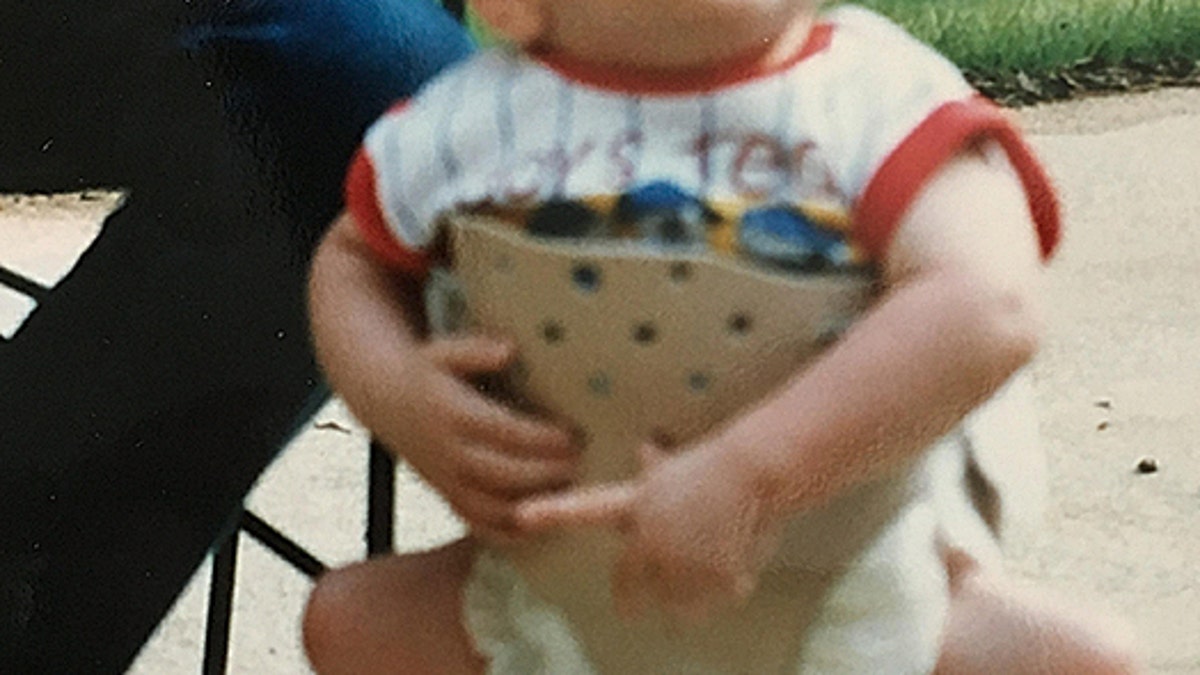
(943, 134)
(362, 202)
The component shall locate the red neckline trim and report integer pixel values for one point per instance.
(666, 83)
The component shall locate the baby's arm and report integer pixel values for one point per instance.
(960, 317)
(413, 393)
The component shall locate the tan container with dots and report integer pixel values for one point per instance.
(633, 343)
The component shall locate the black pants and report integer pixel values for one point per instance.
(151, 387)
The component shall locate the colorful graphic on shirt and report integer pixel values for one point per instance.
(803, 238)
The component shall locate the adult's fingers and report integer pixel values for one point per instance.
(606, 505)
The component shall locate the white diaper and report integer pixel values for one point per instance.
(884, 615)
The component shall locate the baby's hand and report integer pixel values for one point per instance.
(480, 455)
(696, 535)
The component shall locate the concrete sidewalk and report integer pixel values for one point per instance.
(1119, 377)
(1119, 380)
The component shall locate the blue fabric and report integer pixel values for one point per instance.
(308, 77)
(287, 60)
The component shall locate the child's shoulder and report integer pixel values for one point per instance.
(877, 56)
(875, 37)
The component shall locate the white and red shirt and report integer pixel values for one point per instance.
(857, 119)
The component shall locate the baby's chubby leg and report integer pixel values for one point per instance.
(997, 626)
(395, 614)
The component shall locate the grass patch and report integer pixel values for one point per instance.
(1022, 51)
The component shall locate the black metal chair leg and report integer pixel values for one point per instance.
(281, 545)
(381, 500)
(23, 284)
(220, 606)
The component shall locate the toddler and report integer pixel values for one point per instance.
(825, 527)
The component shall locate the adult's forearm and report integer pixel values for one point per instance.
(902, 378)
